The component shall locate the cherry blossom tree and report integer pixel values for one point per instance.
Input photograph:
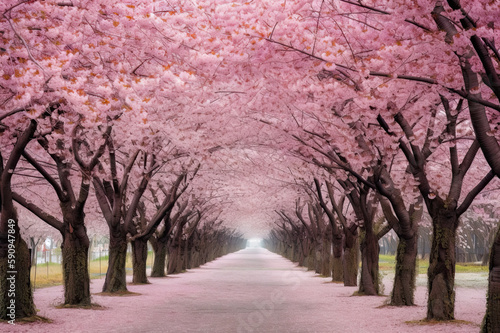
(344, 236)
(72, 227)
(15, 264)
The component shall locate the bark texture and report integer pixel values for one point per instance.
(491, 321)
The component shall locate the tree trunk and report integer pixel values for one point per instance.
(491, 321)
(311, 256)
(16, 296)
(350, 261)
(326, 269)
(116, 275)
(441, 272)
(301, 258)
(195, 258)
(369, 282)
(75, 248)
(160, 251)
(317, 258)
(174, 260)
(292, 250)
(405, 278)
(337, 266)
(185, 256)
(139, 258)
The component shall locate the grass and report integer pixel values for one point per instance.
(387, 263)
(48, 275)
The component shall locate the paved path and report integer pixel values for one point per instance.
(252, 290)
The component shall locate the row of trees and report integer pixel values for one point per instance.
(392, 107)
(87, 111)
(188, 235)
(399, 133)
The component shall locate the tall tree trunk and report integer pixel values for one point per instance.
(185, 255)
(350, 260)
(491, 321)
(160, 251)
(311, 256)
(75, 249)
(116, 275)
(369, 282)
(174, 258)
(76, 278)
(16, 296)
(405, 278)
(317, 257)
(441, 272)
(326, 269)
(139, 259)
(337, 260)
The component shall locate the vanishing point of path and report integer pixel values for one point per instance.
(252, 290)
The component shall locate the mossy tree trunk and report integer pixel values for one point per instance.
(195, 250)
(75, 248)
(139, 260)
(15, 285)
(159, 263)
(365, 207)
(405, 276)
(116, 274)
(441, 272)
(311, 256)
(185, 254)
(326, 249)
(174, 257)
(350, 260)
(491, 321)
(175, 250)
(16, 296)
(301, 257)
(369, 281)
(337, 260)
(159, 242)
(404, 221)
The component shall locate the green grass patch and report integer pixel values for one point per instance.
(102, 258)
(471, 268)
(387, 263)
(49, 275)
